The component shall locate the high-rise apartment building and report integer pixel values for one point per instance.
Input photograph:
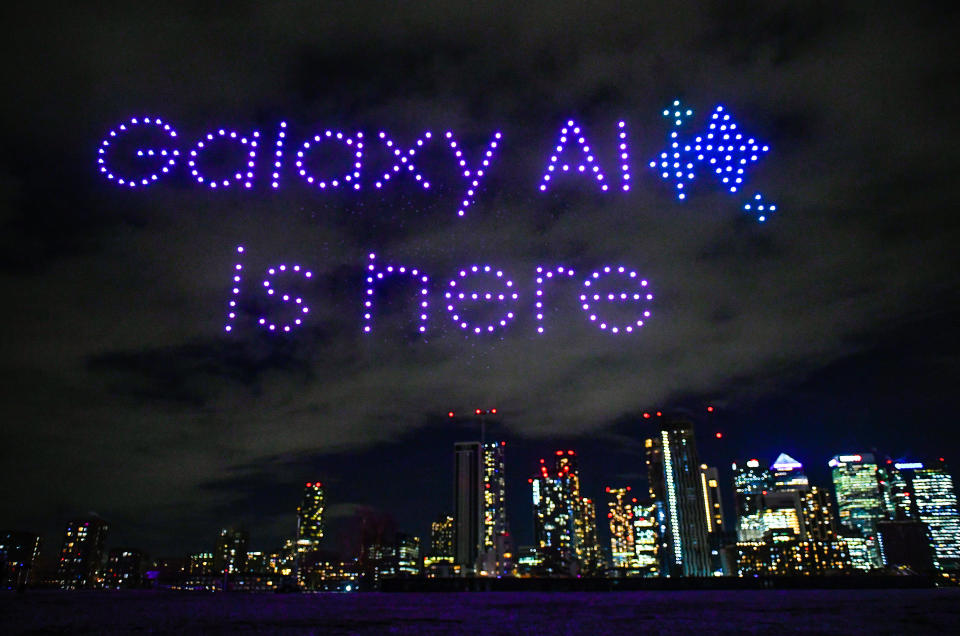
(936, 504)
(750, 483)
(496, 552)
(623, 548)
(230, 555)
(859, 504)
(441, 541)
(553, 523)
(19, 552)
(673, 470)
(124, 568)
(588, 549)
(310, 517)
(646, 538)
(81, 553)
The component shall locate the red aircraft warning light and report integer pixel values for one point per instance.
(719, 435)
(646, 416)
(709, 409)
(450, 413)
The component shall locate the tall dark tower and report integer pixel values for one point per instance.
(310, 517)
(674, 474)
(468, 505)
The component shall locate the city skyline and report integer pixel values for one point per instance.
(824, 330)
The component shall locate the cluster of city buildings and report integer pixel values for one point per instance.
(881, 516)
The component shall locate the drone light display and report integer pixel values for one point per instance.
(459, 297)
(721, 153)
(721, 150)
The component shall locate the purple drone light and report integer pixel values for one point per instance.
(301, 309)
(473, 177)
(456, 295)
(542, 275)
(278, 155)
(374, 274)
(168, 156)
(246, 175)
(355, 143)
(403, 160)
(573, 132)
(637, 295)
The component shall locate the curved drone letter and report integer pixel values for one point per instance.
(374, 274)
(462, 294)
(355, 144)
(165, 158)
(244, 174)
(592, 295)
(299, 308)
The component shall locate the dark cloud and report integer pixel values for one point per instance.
(122, 393)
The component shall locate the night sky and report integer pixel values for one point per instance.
(829, 328)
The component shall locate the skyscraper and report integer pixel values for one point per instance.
(495, 551)
(588, 550)
(936, 503)
(622, 546)
(750, 483)
(786, 473)
(441, 539)
(81, 553)
(674, 473)
(124, 568)
(468, 505)
(859, 505)
(19, 552)
(230, 555)
(310, 518)
(553, 524)
(646, 539)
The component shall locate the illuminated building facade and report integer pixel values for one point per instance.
(622, 546)
(438, 560)
(310, 518)
(786, 473)
(81, 554)
(230, 555)
(673, 470)
(553, 524)
(408, 555)
(468, 505)
(495, 553)
(646, 539)
(859, 504)
(893, 480)
(936, 505)
(19, 552)
(124, 569)
(750, 483)
(589, 552)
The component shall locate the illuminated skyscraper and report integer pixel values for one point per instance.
(750, 483)
(310, 518)
(588, 544)
(674, 473)
(622, 546)
(936, 503)
(552, 524)
(230, 555)
(710, 486)
(124, 569)
(893, 479)
(787, 474)
(408, 555)
(496, 542)
(468, 505)
(441, 540)
(859, 505)
(646, 539)
(81, 553)
(19, 552)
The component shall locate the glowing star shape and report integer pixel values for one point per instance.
(168, 158)
(245, 175)
(454, 295)
(572, 133)
(759, 207)
(547, 274)
(637, 295)
(722, 149)
(403, 159)
(374, 274)
(472, 176)
(355, 143)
